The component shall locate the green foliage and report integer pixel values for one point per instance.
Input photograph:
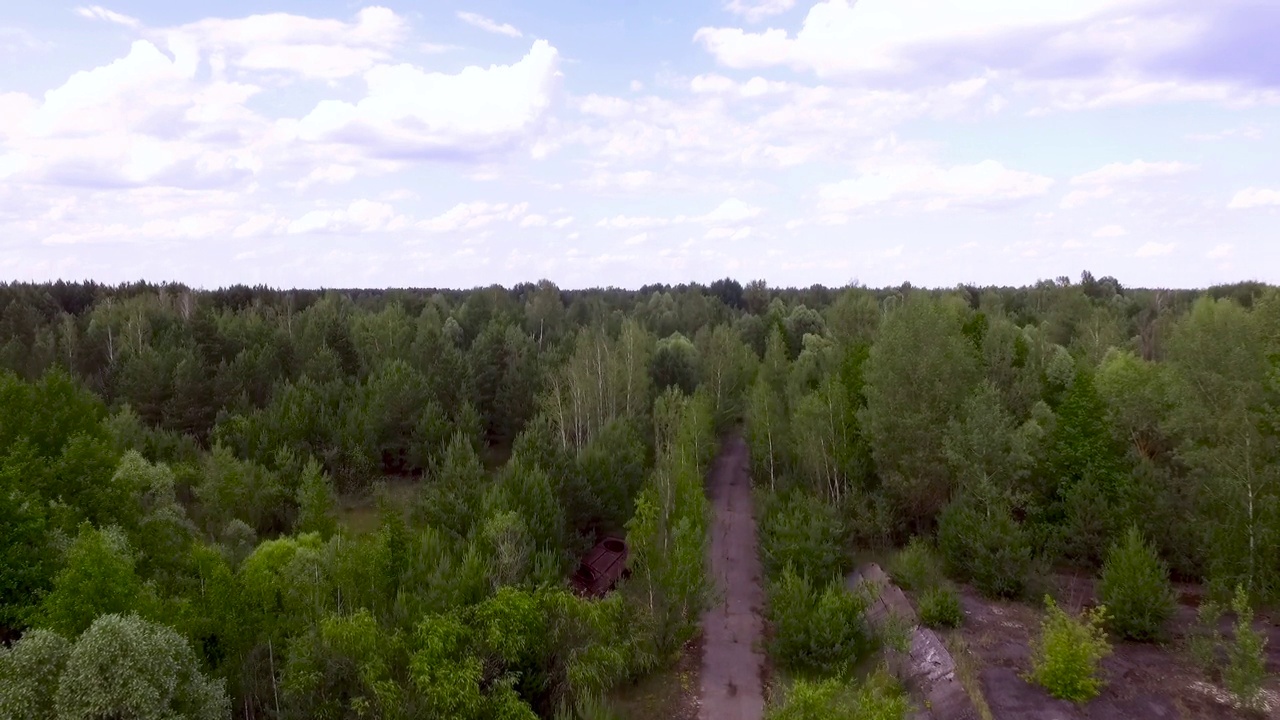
(1041, 422)
(668, 533)
(97, 577)
(916, 567)
(343, 669)
(877, 698)
(980, 541)
(610, 470)
(818, 628)
(1135, 589)
(30, 670)
(1246, 668)
(451, 499)
(27, 560)
(316, 502)
(800, 531)
(940, 608)
(919, 373)
(1066, 654)
(127, 667)
(675, 363)
(1084, 470)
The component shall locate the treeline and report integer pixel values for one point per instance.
(1022, 447)
(170, 463)
(173, 549)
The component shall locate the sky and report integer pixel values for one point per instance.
(601, 143)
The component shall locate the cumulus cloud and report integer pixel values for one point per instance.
(1221, 251)
(884, 33)
(1154, 249)
(1110, 231)
(1066, 56)
(933, 187)
(411, 113)
(1109, 179)
(97, 12)
(489, 25)
(730, 212)
(473, 215)
(1254, 198)
(361, 216)
(757, 10)
(319, 48)
(1130, 172)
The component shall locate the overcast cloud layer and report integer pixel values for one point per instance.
(877, 141)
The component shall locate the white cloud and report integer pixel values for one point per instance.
(1254, 197)
(562, 222)
(259, 225)
(933, 187)
(627, 222)
(411, 113)
(636, 239)
(844, 36)
(1130, 172)
(732, 210)
(533, 221)
(97, 12)
(727, 233)
(757, 10)
(1076, 198)
(1154, 249)
(361, 216)
(324, 49)
(1221, 251)
(489, 25)
(1110, 231)
(474, 215)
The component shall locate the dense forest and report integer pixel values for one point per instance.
(174, 462)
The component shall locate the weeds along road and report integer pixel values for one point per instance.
(732, 631)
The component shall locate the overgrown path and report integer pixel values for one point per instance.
(732, 656)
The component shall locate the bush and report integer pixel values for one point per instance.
(940, 607)
(878, 698)
(805, 533)
(981, 542)
(1064, 659)
(1246, 665)
(916, 567)
(1135, 589)
(819, 629)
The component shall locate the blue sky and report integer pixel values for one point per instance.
(438, 144)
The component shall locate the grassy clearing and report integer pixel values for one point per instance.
(359, 513)
(667, 694)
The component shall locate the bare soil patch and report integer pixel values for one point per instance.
(1143, 680)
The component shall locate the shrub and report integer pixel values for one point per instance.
(802, 531)
(877, 698)
(817, 628)
(1205, 638)
(916, 567)
(1064, 659)
(1135, 588)
(940, 607)
(1246, 666)
(981, 542)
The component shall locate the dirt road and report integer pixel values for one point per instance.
(732, 656)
